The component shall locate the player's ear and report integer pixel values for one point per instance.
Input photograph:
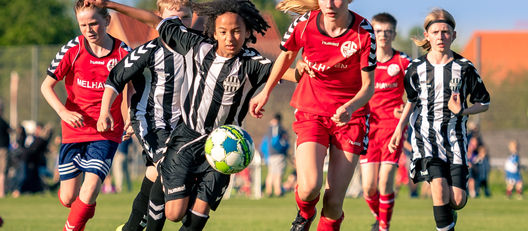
(454, 35)
(108, 19)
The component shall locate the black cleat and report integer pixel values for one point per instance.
(375, 226)
(302, 224)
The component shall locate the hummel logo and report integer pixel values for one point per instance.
(177, 189)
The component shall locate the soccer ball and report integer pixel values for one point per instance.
(229, 149)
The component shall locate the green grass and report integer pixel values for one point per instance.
(43, 212)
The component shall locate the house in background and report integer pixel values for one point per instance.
(497, 54)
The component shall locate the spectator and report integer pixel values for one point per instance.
(120, 166)
(34, 158)
(513, 170)
(278, 151)
(482, 166)
(4, 145)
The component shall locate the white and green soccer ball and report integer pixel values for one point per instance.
(229, 149)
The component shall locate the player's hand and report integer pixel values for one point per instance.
(97, 3)
(398, 111)
(256, 105)
(72, 118)
(129, 131)
(302, 67)
(454, 103)
(105, 123)
(342, 116)
(395, 140)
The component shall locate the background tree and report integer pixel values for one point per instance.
(31, 22)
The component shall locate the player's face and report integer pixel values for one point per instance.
(441, 36)
(334, 9)
(231, 33)
(385, 34)
(183, 12)
(92, 24)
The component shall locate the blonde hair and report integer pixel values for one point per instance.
(436, 15)
(513, 145)
(298, 6)
(79, 5)
(172, 4)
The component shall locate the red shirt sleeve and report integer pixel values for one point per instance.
(292, 39)
(62, 63)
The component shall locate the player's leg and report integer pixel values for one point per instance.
(441, 194)
(386, 188)
(309, 163)
(459, 176)
(519, 187)
(96, 163)
(340, 172)
(312, 144)
(70, 175)
(277, 176)
(369, 183)
(210, 189)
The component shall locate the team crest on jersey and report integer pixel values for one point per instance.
(348, 48)
(111, 64)
(455, 84)
(231, 84)
(393, 70)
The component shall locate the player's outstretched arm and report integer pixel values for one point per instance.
(144, 16)
(105, 121)
(398, 132)
(72, 118)
(280, 66)
(344, 113)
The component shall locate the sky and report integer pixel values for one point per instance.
(470, 15)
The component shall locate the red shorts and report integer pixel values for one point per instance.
(321, 129)
(378, 147)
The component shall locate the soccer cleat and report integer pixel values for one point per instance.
(375, 226)
(120, 228)
(302, 224)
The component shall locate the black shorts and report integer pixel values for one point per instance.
(428, 169)
(186, 173)
(153, 143)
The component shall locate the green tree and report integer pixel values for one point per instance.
(27, 22)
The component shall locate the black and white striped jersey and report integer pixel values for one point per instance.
(216, 90)
(437, 132)
(156, 103)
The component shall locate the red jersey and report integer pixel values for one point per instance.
(389, 90)
(337, 62)
(84, 79)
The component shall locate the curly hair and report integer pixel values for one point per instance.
(253, 21)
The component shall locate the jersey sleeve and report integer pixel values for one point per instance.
(477, 90)
(368, 51)
(292, 39)
(260, 68)
(405, 60)
(177, 36)
(130, 67)
(409, 84)
(61, 64)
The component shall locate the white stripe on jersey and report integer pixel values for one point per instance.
(159, 90)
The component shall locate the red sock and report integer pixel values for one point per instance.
(386, 203)
(373, 203)
(327, 224)
(307, 208)
(80, 213)
(62, 203)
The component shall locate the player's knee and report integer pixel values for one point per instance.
(370, 191)
(459, 202)
(66, 200)
(307, 194)
(174, 215)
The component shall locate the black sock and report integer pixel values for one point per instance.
(156, 208)
(444, 217)
(193, 222)
(137, 220)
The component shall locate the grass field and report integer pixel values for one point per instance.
(43, 212)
